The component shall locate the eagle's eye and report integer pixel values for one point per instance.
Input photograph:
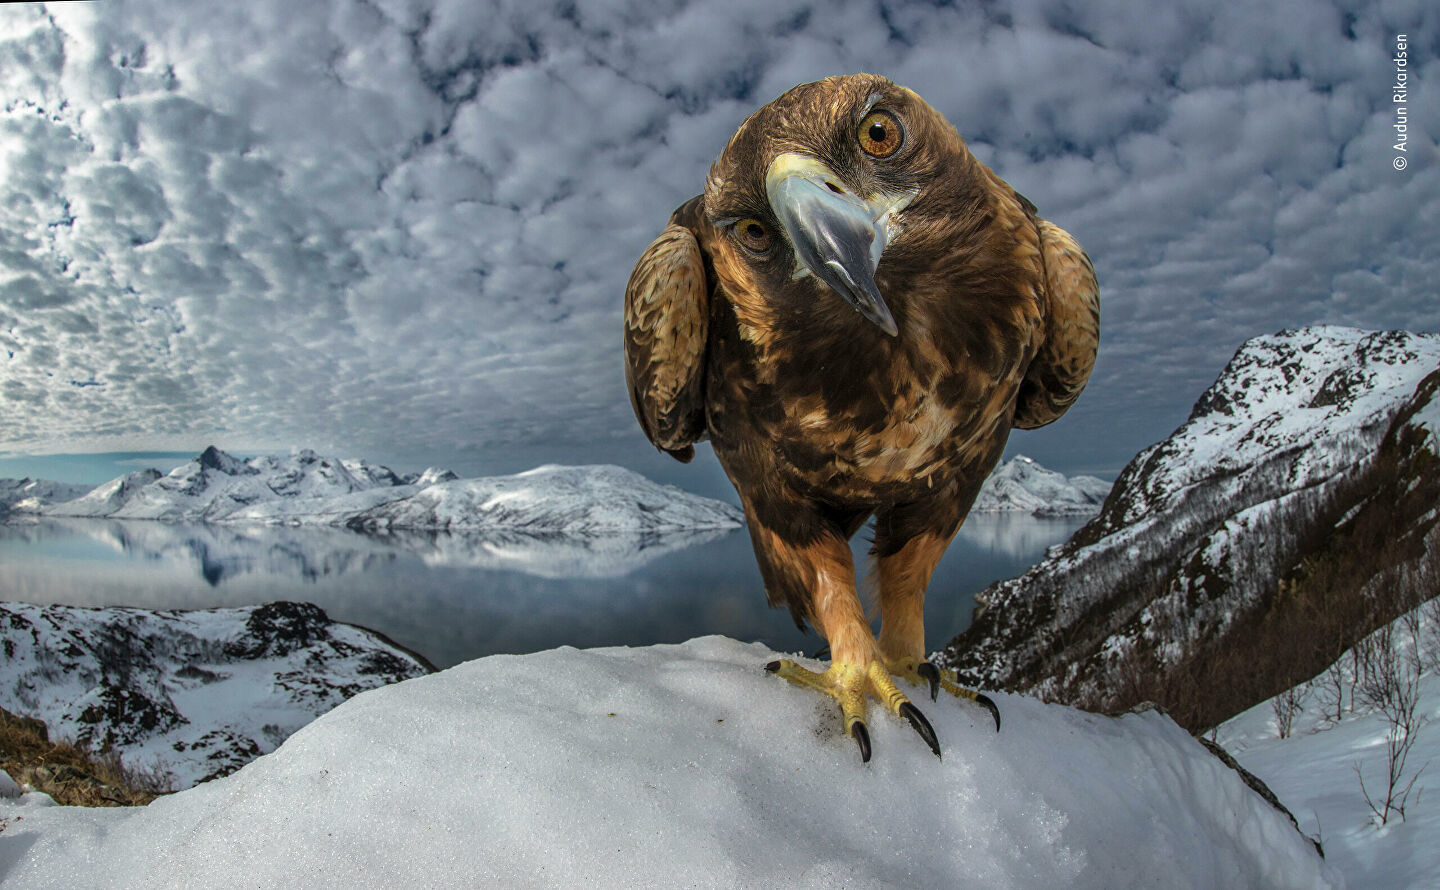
(880, 134)
(753, 234)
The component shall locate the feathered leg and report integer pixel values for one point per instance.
(903, 577)
(857, 668)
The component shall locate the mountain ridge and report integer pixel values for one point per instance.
(1290, 450)
(305, 488)
(217, 487)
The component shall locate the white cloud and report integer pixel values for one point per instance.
(405, 227)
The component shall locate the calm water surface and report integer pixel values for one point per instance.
(453, 598)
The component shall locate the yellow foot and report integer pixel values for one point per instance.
(921, 673)
(849, 684)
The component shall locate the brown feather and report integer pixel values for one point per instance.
(1072, 331)
(666, 322)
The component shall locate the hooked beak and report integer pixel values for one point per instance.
(837, 235)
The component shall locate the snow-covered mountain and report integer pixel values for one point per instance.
(188, 694)
(1021, 485)
(1313, 449)
(106, 499)
(216, 487)
(680, 766)
(307, 489)
(32, 495)
(551, 500)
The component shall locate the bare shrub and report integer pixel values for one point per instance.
(1391, 686)
(1286, 706)
(1430, 645)
(1330, 691)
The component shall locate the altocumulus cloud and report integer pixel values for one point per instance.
(403, 228)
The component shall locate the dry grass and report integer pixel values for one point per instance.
(69, 774)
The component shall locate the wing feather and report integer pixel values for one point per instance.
(666, 328)
(1062, 367)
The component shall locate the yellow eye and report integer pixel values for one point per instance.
(753, 234)
(880, 134)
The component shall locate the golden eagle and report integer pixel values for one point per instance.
(855, 313)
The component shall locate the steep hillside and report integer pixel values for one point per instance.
(188, 695)
(1287, 517)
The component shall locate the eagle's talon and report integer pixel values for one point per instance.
(923, 671)
(861, 734)
(984, 701)
(930, 672)
(773, 667)
(921, 726)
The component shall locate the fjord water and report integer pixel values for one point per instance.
(452, 598)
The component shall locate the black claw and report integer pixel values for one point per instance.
(861, 734)
(984, 701)
(773, 666)
(823, 653)
(928, 671)
(921, 725)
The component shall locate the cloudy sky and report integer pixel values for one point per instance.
(401, 230)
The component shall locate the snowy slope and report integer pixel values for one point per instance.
(679, 766)
(106, 499)
(31, 495)
(307, 489)
(1313, 771)
(1201, 528)
(191, 694)
(1023, 486)
(552, 500)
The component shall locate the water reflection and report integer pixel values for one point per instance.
(1017, 537)
(456, 597)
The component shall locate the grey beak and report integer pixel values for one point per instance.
(838, 237)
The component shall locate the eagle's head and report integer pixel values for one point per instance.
(815, 186)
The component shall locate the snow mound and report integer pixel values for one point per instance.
(1022, 485)
(679, 766)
